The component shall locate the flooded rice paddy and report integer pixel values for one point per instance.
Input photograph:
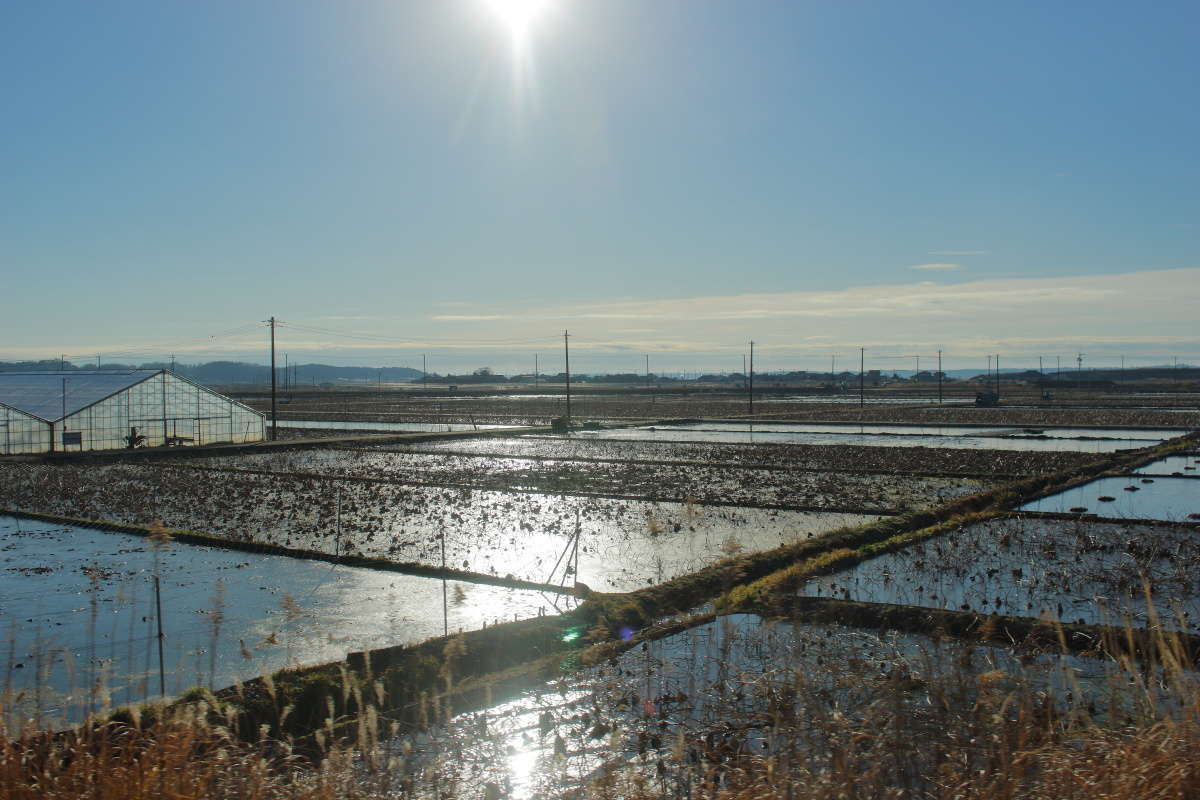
(812, 489)
(1073, 570)
(1181, 466)
(879, 460)
(669, 714)
(1168, 499)
(625, 544)
(1088, 441)
(929, 430)
(79, 610)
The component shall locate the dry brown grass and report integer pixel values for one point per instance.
(978, 735)
(1161, 761)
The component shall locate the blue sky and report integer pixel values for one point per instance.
(172, 171)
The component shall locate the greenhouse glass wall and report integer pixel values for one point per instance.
(22, 433)
(107, 410)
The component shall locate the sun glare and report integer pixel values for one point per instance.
(518, 15)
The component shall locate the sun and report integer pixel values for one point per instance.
(518, 15)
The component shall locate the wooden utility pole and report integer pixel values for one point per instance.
(940, 376)
(273, 410)
(535, 371)
(862, 374)
(752, 377)
(567, 357)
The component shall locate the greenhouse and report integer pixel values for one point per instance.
(43, 412)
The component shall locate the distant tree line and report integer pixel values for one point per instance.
(232, 372)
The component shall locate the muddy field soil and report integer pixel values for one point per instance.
(624, 544)
(289, 434)
(698, 483)
(843, 458)
(539, 409)
(1074, 571)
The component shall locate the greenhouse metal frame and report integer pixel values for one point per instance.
(43, 412)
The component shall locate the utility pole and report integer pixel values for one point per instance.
(535, 371)
(1079, 368)
(97, 361)
(567, 357)
(940, 377)
(832, 365)
(424, 374)
(62, 362)
(862, 374)
(647, 370)
(285, 372)
(997, 376)
(752, 377)
(274, 432)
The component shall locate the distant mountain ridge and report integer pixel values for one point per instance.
(232, 372)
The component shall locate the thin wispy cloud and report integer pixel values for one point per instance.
(958, 252)
(936, 266)
(1020, 314)
(1024, 317)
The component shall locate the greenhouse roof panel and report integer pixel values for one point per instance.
(41, 393)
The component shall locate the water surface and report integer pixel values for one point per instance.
(282, 611)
